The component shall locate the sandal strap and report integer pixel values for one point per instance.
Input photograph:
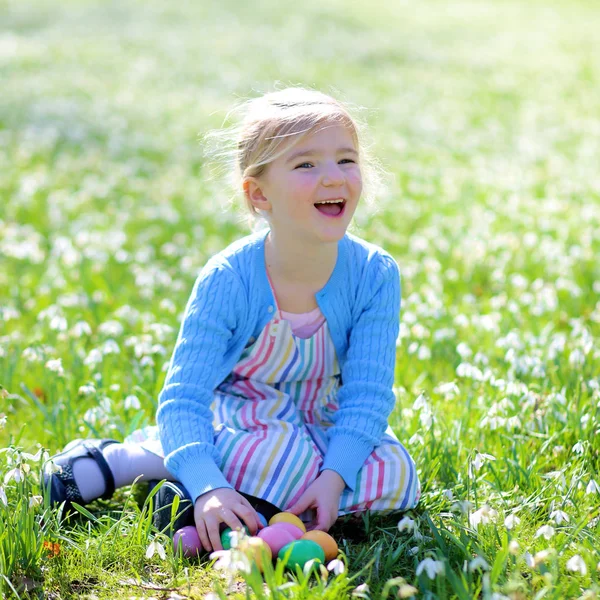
(109, 480)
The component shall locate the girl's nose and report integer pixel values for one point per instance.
(333, 175)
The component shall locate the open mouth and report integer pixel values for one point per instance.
(331, 208)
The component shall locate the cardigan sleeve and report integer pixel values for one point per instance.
(184, 416)
(366, 396)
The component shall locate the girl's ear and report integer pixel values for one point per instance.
(254, 193)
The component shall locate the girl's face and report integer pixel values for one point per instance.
(311, 191)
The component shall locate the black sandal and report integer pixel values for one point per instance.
(59, 482)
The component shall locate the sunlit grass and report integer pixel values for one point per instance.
(486, 117)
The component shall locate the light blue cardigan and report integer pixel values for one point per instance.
(230, 304)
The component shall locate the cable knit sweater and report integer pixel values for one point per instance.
(230, 304)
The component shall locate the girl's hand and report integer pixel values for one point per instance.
(222, 505)
(323, 494)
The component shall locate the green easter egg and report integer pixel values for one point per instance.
(226, 540)
(301, 552)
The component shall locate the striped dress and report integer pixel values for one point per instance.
(271, 416)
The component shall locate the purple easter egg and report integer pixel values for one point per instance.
(188, 538)
(295, 531)
(275, 537)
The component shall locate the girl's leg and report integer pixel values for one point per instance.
(126, 461)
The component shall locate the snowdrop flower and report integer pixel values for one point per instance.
(231, 561)
(433, 568)
(577, 565)
(578, 448)
(35, 501)
(16, 474)
(3, 420)
(513, 547)
(80, 329)
(546, 531)
(156, 547)
(110, 347)
(55, 366)
(362, 591)
(479, 563)
(132, 402)
(483, 516)
(480, 460)
(559, 516)
(93, 358)
(592, 487)
(448, 390)
(511, 521)
(3, 497)
(406, 524)
(538, 559)
(462, 506)
(337, 566)
(87, 390)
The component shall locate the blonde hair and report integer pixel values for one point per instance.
(276, 121)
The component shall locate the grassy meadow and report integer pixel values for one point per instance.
(485, 116)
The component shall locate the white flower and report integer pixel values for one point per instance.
(362, 591)
(16, 474)
(87, 389)
(559, 516)
(79, 329)
(132, 402)
(93, 358)
(433, 568)
(55, 366)
(513, 547)
(448, 390)
(3, 497)
(3, 420)
(479, 563)
(480, 460)
(406, 524)
(578, 448)
(110, 347)
(337, 566)
(483, 516)
(35, 501)
(231, 561)
(545, 530)
(511, 521)
(577, 565)
(592, 488)
(155, 547)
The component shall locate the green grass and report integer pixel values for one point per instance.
(486, 116)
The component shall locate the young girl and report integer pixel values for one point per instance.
(280, 384)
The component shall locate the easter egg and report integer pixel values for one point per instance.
(295, 531)
(276, 537)
(262, 519)
(286, 517)
(187, 538)
(257, 550)
(324, 540)
(226, 539)
(300, 552)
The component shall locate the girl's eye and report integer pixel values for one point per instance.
(349, 160)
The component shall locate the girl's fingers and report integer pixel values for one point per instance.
(248, 514)
(203, 535)
(212, 528)
(231, 519)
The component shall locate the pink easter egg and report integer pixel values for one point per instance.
(190, 542)
(275, 537)
(295, 531)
